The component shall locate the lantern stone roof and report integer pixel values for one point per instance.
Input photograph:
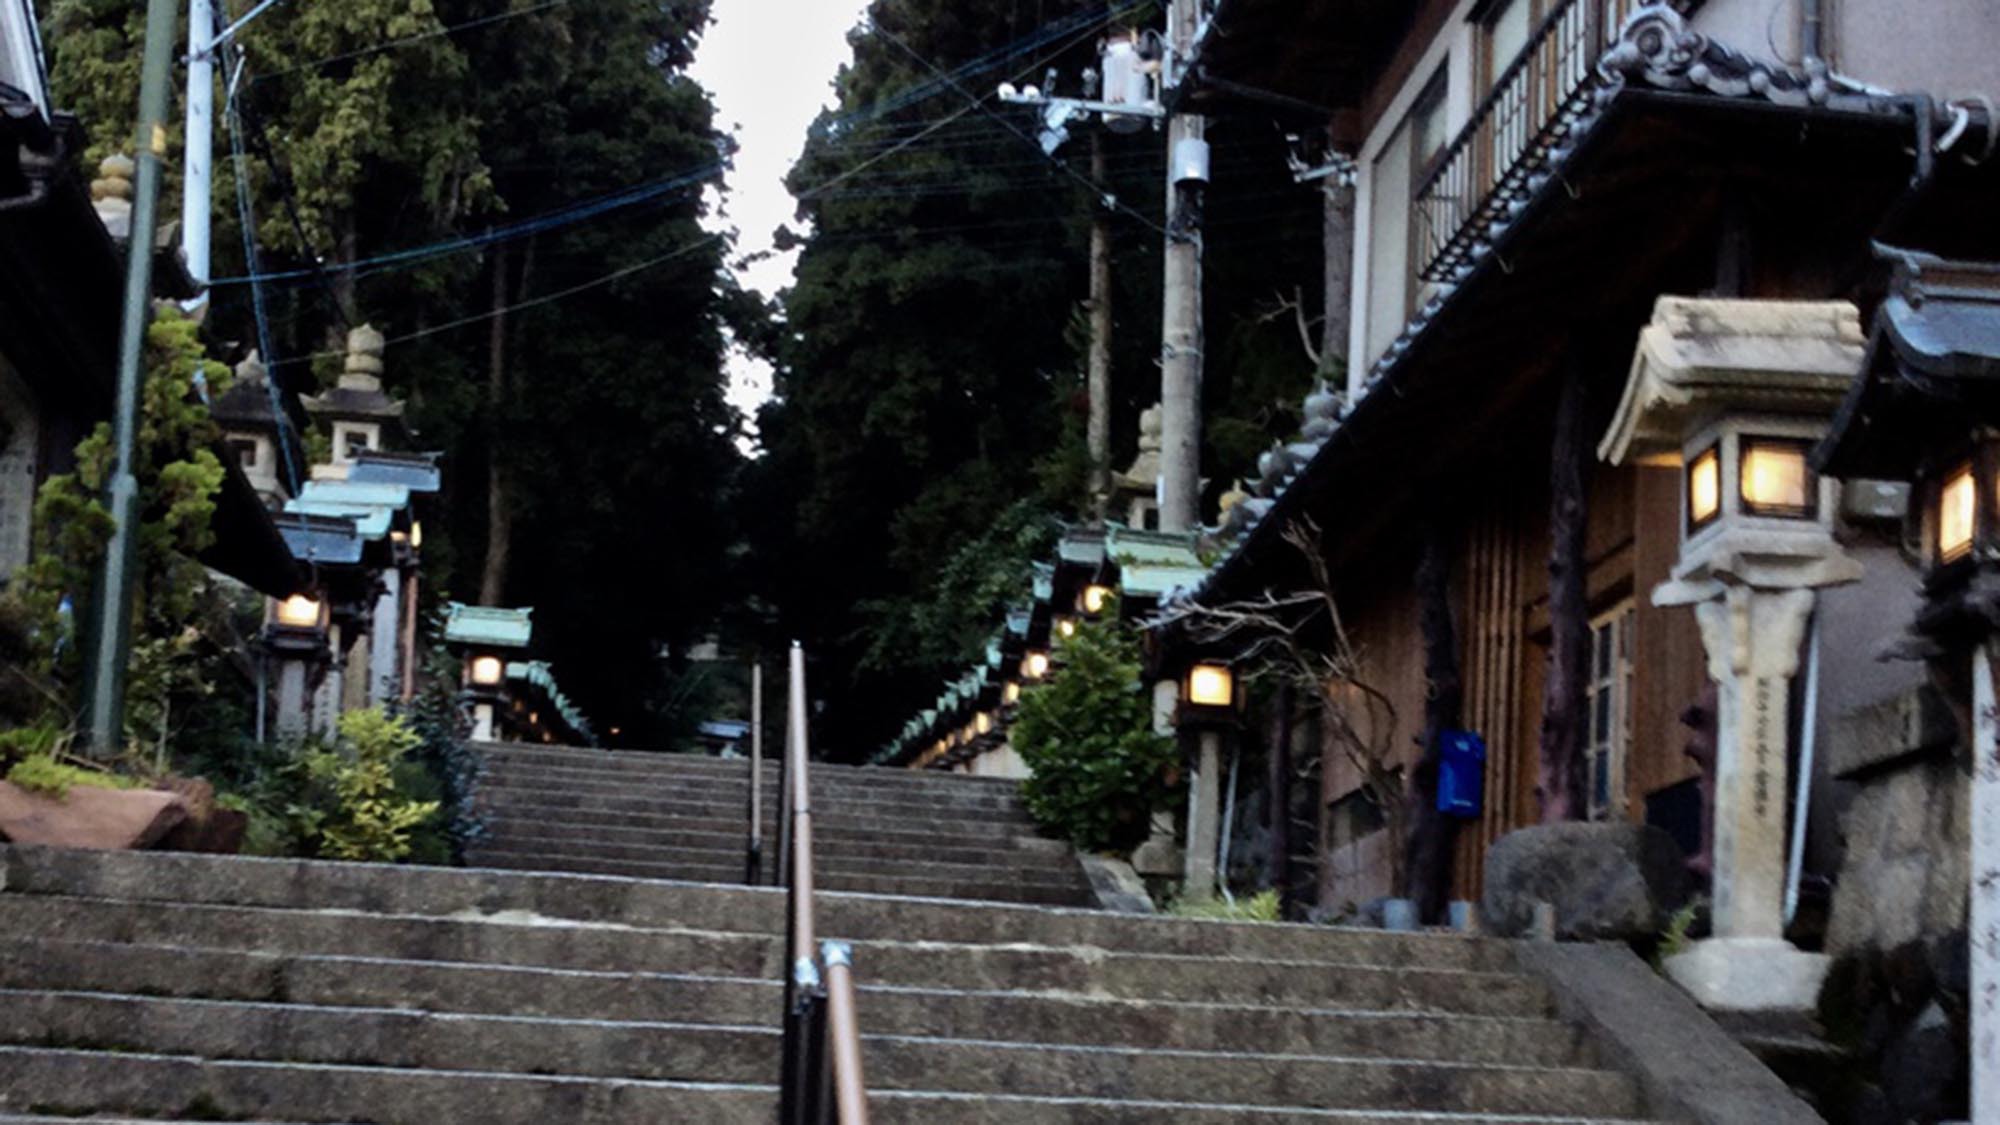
(1704, 356)
(247, 402)
(332, 540)
(1932, 370)
(372, 507)
(416, 472)
(488, 626)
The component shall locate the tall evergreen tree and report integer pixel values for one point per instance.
(928, 425)
(570, 370)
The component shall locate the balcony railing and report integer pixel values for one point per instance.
(1512, 131)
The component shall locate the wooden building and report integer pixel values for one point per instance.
(1524, 180)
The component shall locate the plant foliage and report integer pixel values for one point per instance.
(1099, 770)
(354, 807)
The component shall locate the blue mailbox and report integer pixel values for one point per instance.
(1461, 773)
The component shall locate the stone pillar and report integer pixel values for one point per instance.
(1752, 640)
(385, 656)
(294, 701)
(1204, 813)
(482, 722)
(1983, 933)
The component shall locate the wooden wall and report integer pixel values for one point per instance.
(1501, 615)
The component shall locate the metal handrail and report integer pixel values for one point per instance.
(820, 1075)
(753, 858)
(1512, 130)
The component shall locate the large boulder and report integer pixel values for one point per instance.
(1606, 881)
(89, 817)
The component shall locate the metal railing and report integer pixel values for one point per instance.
(1512, 131)
(753, 852)
(820, 1077)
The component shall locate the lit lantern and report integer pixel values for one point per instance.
(1956, 517)
(300, 612)
(1065, 627)
(1209, 694)
(1094, 599)
(485, 671)
(416, 535)
(1737, 472)
(983, 722)
(1035, 665)
(1011, 694)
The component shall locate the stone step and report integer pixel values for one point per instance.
(180, 878)
(45, 1080)
(737, 789)
(567, 836)
(651, 1050)
(916, 816)
(337, 981)
(729, 871)
(508, 940)
(825, 831)
(833, 871)
(634, 761)
(68, 1082)
(956, 864)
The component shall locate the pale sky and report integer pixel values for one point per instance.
(769, 65)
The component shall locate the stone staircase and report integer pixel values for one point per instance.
(159, 986)
(683, 816)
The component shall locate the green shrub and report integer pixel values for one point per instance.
(352, 806)
(1260, 907)
(1099, 770)
(42, 773)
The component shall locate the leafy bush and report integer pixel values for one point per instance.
(1099, 770)
(42, 773)
(353, 806)
(1260, 907)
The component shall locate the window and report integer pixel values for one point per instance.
(1398, 230)
(1503, 32)
(1608, 705)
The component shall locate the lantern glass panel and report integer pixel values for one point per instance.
(1035, 665)
(299, 612)
(1095, 598)
(1704, 485)
(1211, 685)
(487, 670)
(1958, 499)
(1776, 481)
(1011, 693)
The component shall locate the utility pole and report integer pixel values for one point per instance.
(1099, 432)
(111, 641)
(1180, 321)
(198, 180)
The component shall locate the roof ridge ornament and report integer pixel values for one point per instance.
(1656, 46)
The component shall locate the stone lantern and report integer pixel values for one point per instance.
(1733, 394)
(359, 415)
(485, 639)
(1927, 410)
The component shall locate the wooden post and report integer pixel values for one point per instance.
(1564, 705)
(1434, 835)
(1280, 802)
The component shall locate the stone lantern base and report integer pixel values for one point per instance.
(1749, 975)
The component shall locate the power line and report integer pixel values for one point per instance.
(571, 291)
(410, 40)
(979, 104)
